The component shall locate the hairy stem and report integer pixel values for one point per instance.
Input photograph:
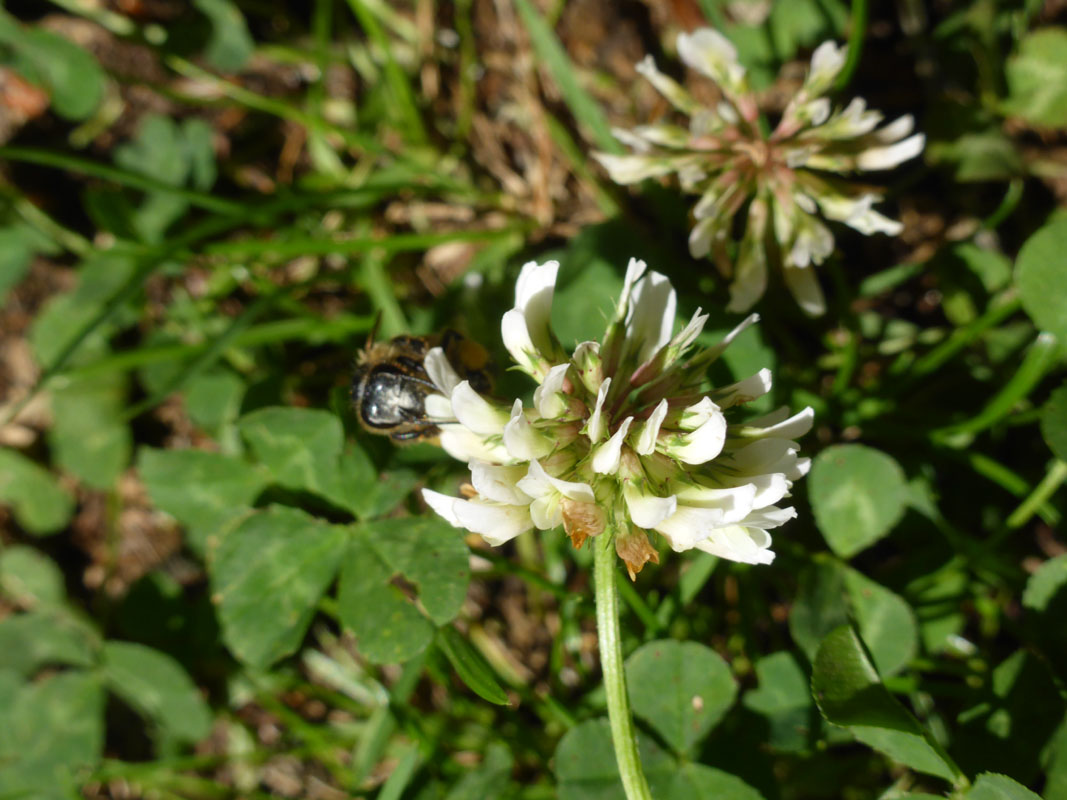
(607, 626)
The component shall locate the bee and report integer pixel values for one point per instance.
(390, 385)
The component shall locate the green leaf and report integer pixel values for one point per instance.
(849, 693)
(430, 553)
(388, 626)
(204, 491)
(982, 155)
(49, 734)
(39, 638)
(1011, 720)
(692, 781)
(819, 606)
(585, 298)
(990, 786)
(586, 770)
(858, 494)
(40, 504)
(301, 448)
(783, 686)
(267, 576)
(16, 255)
(489, 780)
(155, 151)
(72, 77)
(885, 621)
(682, 689)
(230, 45)
(1044, 584)
(1055, 757)
(100, 277)
(1039, 276)
(88, 436)
(376, 495)
(156, 685)
(585, 762)
(784, 700)
(213, 399)
(470, 666)
(831, 593)
(1037, 78)
(29, 578)
(427, 553)
(1054, 422)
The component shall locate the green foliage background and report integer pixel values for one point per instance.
(213, 584)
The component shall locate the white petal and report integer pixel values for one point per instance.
(538, 483)
(689, 525)
(704, 234)
(548, 397)
(516, 337)
(443, 505)
(711, 54)
(631, 139)
(701, 445)
(813, 242)
(646, 510)
(889, 156)
(732, 503)
(826, 63)
(499, 483)
(763, 456)
(546, 512)
(858, 214)
(596, 428)
(738, 543)
(804, 287)
(649, 430)
(769, 489)
(440, 371)
(629, 169)
(817, 111)
(496, 523)
(533, 292)
(896, 130)
(687, 335)
(651, 318)
(522, 440)
(476, 413)
(750, 277)
(770, 517)
(692, 417)
(438, 408)
(874, 222)
(464, 445)
(792, 428)
(744, 391)
(634, 270)
(606, 456)
(666, 86)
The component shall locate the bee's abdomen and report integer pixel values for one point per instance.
(391, 398)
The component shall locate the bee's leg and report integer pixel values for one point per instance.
(426, 433)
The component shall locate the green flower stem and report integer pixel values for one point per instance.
(1052, 481)
(607, 625)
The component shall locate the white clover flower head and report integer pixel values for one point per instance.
(625, 436)
(785, 178)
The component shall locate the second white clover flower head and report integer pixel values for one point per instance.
(785, 177)
(624, 437)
